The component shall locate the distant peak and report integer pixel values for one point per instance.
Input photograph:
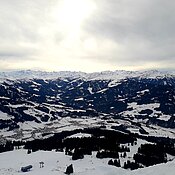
(106, 75)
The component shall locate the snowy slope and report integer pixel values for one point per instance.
(56, 163)
(31, 107)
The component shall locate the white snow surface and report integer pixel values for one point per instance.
(80, 135)
(32, 130)
(138, 108)
(55, 163)
(5, 116)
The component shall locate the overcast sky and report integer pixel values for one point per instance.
(87, 35)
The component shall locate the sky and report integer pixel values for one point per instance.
(87, 35)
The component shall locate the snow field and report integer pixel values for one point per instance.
(55, 163)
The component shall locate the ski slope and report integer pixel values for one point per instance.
(55, 163)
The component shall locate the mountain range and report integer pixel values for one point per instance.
(35, 102)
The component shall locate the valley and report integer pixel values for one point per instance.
(100, 118)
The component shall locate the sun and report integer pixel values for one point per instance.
(71, 13)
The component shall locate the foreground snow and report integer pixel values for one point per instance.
(56, 162)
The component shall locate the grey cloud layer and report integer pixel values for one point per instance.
(143, 30)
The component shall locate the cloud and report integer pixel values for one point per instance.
(144, 30)
(114, 34)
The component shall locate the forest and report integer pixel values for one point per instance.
(106, 143)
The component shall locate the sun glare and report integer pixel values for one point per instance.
(71, 13)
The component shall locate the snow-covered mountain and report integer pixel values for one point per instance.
(105, 75)
(141, 102)
(118, 112)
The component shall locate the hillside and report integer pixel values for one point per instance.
(102, 123)
(35, 102)
(55, 163)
